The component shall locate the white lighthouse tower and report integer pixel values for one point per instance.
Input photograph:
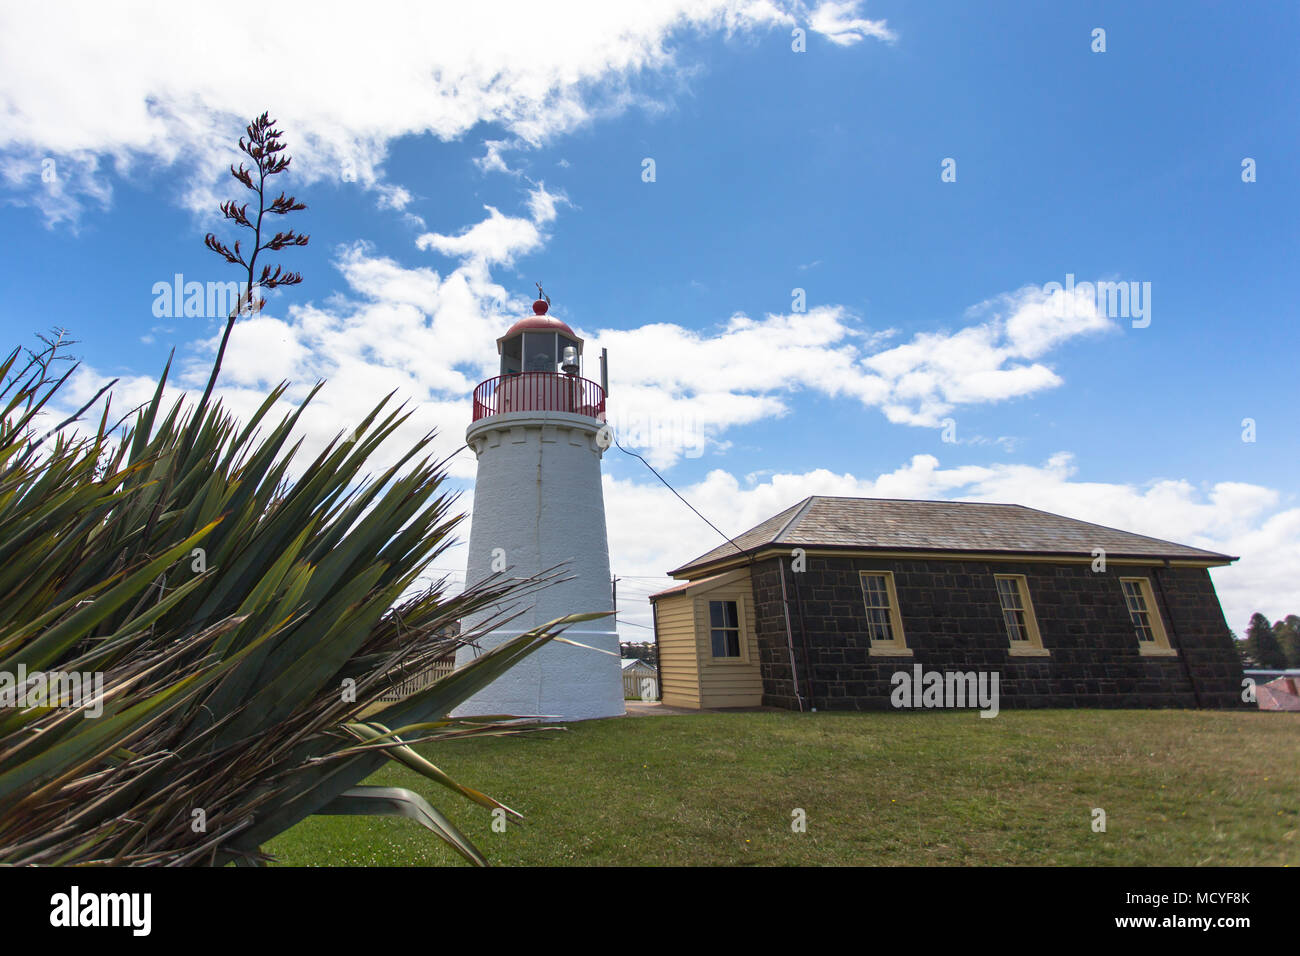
(537, 504)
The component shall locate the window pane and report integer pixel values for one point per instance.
(715, 614)
(1009, 593)
(1139, 611)
(1013, 608)
(875, 595)
(725, 642)
(729, 614)
(878, 624)
(873, 588)
(1136, 599)
(1142, 625)
(539, 351)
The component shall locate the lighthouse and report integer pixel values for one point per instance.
(537, 434)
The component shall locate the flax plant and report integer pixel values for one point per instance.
(238, 615)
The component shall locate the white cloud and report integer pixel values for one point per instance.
(343, 81)
(542, 204)
(675, 391)
(492, 160)
(694, 385)
(839, 23)
(989, 361)
(492, 241)
(57, 185)
(393, 197)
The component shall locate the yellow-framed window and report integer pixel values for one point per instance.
(724, 629)
(884, 622)
(1144, 614)
(1018, 613)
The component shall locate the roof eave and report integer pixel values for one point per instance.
(688, 571)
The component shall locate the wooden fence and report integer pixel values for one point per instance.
(439, 670)
(640, 686)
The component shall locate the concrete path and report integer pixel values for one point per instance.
(653, 708)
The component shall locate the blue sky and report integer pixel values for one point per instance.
(775, 170)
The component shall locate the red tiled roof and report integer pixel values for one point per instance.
(678, 588)
(1278, 694)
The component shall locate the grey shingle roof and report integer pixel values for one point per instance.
(888, 524)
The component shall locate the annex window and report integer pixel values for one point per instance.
(884, 625)
(1018, 614)
(1145, 616)
(724, 628)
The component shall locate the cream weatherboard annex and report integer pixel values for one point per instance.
(537, 433)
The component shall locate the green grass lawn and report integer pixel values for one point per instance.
(1178, 787)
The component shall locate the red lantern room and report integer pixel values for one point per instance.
(538, 343)
(541, 371)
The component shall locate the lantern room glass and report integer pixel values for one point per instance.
(536, 352)
(511, 357)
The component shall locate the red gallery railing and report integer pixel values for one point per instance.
(539, 392)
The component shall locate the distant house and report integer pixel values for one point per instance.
(822, 605)
(635, 674)
(1282, 692)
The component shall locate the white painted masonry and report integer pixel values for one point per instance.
(538, 498)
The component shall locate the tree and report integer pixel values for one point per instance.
(1243, 650)
(1287, 632)
(642, 652)
(1263, 644)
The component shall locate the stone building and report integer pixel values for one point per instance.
(823, 605)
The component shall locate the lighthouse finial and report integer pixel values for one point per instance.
(543, 301)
